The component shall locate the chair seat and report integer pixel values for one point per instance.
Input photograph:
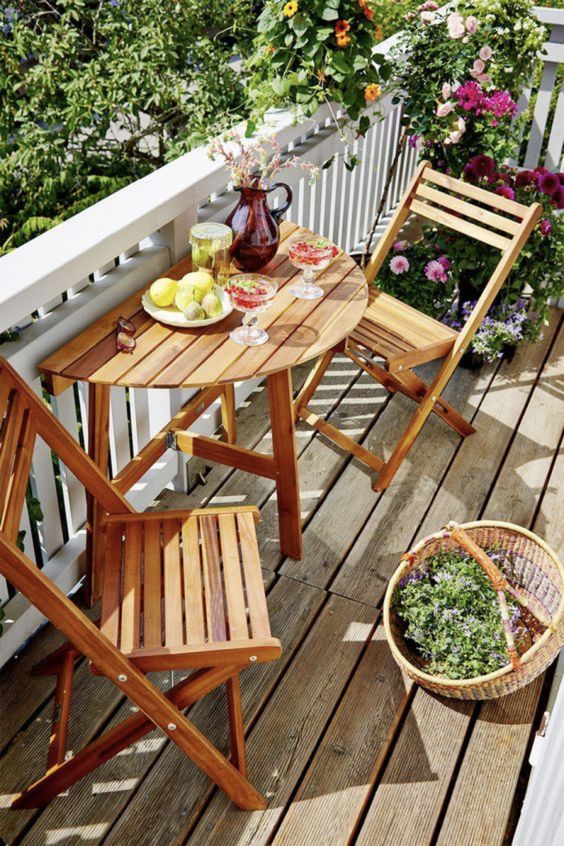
(400, 334)
(185, 589)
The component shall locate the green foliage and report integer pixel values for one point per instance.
(315, 52)
(453, 618)
(96, 93)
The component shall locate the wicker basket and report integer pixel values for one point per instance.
(537, 581)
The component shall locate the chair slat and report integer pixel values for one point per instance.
(152, 585)
(111, 604)
(10, 437)
(193, 591)
(172, 584)
(237, 615)
(488, 198)
(131, 595)
(253, 576)
(467, 209)
(15, 499)
(460, 225)
(212, 580)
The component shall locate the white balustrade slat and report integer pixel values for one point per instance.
(540, 115)
(553, 159)
(139, 410)
(120, 453)
(64, 406)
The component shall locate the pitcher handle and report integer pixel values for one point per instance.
(277, 213)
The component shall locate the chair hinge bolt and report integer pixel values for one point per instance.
(434, 399)
(122, 678)
(171, 726)
(170, 440)
(253, 658)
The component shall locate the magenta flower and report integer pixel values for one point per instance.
(525, 177)
(470, 97)
(482, 165)
(400, 246)
(545, 227)
(505, 191)
(399, 264)
(445, 262)
(558, 197)
(435, 271)
(548, 183)
(500, 103)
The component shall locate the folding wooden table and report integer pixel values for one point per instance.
(208, 359)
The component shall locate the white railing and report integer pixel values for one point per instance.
(59, 283)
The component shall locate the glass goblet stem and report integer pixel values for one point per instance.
(308, 278)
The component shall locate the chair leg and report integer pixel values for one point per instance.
(59, 730)
(415, 387)
(228, 414)
(236, 725)
(316, 375)
(114, 740)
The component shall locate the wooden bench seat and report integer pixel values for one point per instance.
(185, 590)
(400, 334)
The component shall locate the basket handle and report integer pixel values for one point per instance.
(496, 577)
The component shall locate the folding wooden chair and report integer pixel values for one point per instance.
(182, 590)
(404, 337)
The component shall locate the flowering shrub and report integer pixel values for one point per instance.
(466, 265)
(459, 73)
(319, 51)
(254, 163)
(453, 619)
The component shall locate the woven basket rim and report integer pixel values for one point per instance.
(507, 668)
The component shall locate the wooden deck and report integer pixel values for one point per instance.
(347, 751)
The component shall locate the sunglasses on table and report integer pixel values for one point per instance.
(125, 342)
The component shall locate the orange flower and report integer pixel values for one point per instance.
(372, 91)
(378, 32)
(320, 75)
(341, 27)
(342, 39)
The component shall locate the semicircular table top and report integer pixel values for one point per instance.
(168, 357)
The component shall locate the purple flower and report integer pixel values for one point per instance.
(435, 271)
(558, 197)
(545, 227)
(505, 191)
(445, 262)
(399, 264)
(400, 246)
(548, 183)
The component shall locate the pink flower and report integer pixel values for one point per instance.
(545, 227)
(399, 264)
(478, 66)
(461, 123)
(427, 17)
(471, 24)
(444, 109)
(484, 79)
(445, 262)
(435, 271)
(485, 53)
(455, 25)
(500, 103)
(400, 246)
(505, 191)
(446, 91)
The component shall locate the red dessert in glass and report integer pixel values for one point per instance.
(250, 293)
(311, 254)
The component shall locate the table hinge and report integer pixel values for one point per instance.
(170, 440)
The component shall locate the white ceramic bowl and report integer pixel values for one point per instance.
(173, 317)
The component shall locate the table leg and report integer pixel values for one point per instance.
(286, 460)
(98, 449)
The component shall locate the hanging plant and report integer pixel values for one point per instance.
(322, 51)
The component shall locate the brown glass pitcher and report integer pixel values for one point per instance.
(256, 233)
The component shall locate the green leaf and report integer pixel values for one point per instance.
(329, 13)
(340, 64)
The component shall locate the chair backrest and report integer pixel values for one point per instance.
(471, 211)
(23, 417)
